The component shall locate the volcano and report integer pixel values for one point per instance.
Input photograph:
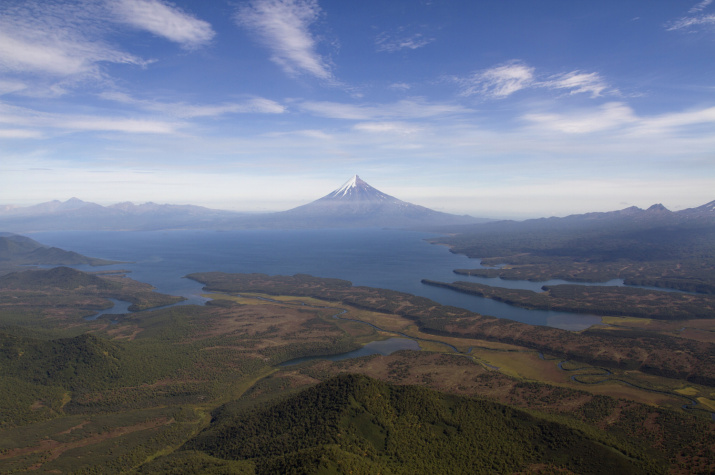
(356, 204)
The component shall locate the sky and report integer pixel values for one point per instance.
(510, 108)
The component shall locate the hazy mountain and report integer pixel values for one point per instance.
(356, 204)
(18, 250)
(631, 218)
(75, 214)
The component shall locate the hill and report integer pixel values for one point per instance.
(353, 423)
(18, 250)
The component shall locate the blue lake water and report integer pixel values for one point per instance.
(391, 259)
(119, 307)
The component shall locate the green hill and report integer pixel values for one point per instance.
(56, 278)
(18, 250)
(73, 363)
(354, 424)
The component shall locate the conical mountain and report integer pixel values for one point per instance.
(356, 204)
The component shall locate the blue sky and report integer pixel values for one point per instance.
(493, 108)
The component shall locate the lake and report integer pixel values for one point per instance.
(391, 259)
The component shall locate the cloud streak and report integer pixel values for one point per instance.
(54, 46)
(391, 43)
(283, 26)
(577, 82)
(500, 81)
(258, 105)
(59, 40)
(508, 78)
(694, 18)
(164, 20)
(34, 121)
(404, 110)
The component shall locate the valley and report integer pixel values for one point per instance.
(227, 370)
(134, 393)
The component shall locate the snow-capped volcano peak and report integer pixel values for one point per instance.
(354, 182)
(356, 204)
(356, 189)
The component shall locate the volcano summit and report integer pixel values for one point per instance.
(356, 204)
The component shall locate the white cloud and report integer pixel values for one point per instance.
(578, 82)
(283, 26)
(395, 42)
(54, 46)
(400, 86)
(105, 124)
(164, 20)
(700, 6)
(19, 134)
(694, 18)
(406, 109)
(618, 115)
(607, 116)
(258, 105)
(499, 81)
(504, 80)
(19, 116)
(8, 87)
(395, 128)
(62, 52)
(666, 122)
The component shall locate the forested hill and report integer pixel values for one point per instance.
(354, 424)
(16, 250)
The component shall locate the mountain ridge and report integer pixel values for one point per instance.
(355, 204)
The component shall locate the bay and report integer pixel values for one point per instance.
(391, 259)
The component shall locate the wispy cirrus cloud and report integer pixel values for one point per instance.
(165, 20)
(675, 120)
(694, 18)
(401, 110)
(619, 116)
(605, 117)
(33, 122)
(57, 45)
(505, 79)
(183, 110)
(577, 82)
(392, 42)
(394, 128)
(57, 39)
(700, 6)
(499, 81)
(283, 26)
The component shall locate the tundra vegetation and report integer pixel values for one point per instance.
(201, 389)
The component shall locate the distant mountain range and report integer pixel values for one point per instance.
(75, 214)
(628, 218)
(354, 205)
